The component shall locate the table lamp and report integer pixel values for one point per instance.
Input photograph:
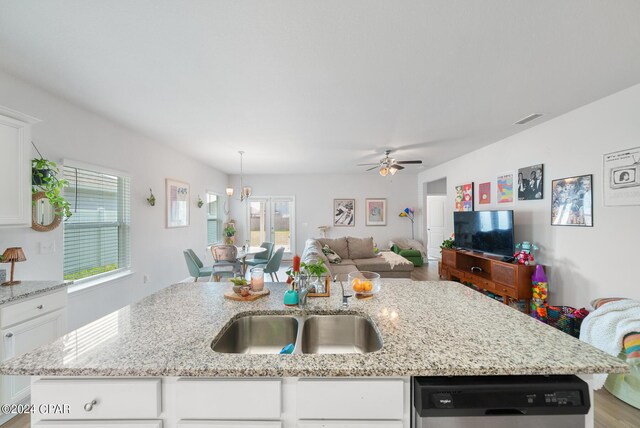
(13, 255)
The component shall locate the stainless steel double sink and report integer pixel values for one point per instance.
(311, 334)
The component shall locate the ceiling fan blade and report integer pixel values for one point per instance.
(416, 162)
(372, 168)
(398, 167)
(367, 164)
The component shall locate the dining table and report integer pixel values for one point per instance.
(243, 252)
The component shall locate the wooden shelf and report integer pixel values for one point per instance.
(488, 273)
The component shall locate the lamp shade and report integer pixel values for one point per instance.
(14, 254)
(229, 191)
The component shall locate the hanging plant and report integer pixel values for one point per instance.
(200, 202)
(151, 199)
(44, 178)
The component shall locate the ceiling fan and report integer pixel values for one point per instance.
(389, 165)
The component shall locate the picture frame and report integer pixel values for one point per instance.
(621, 175)
(344, 212)
(572, 201)
(530, 183)
(376, 212)
(505, 188)
(178, 197)
(484, 193)
(464, 197)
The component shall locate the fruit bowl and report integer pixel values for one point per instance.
(364, 283)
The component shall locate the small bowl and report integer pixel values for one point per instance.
(364, 283)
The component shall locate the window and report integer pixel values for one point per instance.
(96, 236)
(214, 225)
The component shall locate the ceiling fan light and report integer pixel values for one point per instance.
(384, 171)
(393, 170)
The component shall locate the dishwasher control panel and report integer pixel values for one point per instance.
(500, 395)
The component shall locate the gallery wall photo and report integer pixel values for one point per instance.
(531, 183)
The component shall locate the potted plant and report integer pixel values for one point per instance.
(316, 270)
(44, 178)
(447, 243)
(229, 233)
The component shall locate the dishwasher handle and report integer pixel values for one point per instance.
(505, 412)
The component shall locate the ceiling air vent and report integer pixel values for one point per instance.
(529, 118)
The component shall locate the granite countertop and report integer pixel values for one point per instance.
(428, 328)
(26, 289)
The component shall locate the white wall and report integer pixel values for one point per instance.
(584, 263)
(68, 131)
(314, 196)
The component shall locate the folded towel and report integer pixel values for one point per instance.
(606, 327)
(632, 348)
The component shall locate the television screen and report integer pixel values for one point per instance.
(486, 231)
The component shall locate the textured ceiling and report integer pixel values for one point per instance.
(318, 86)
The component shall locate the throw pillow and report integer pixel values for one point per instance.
(331, 255)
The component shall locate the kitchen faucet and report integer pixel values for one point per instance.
(303, 291)
(345, 297)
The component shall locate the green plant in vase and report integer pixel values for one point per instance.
(448, 243)
(44, 178)
(316, 269)
(229, 233)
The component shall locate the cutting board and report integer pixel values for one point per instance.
(231, 295)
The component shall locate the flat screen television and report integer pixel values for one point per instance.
(486, 231)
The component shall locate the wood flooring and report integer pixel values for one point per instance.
(609, 411)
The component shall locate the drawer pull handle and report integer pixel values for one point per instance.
(39, 307)
(8, 334)
(89, 406)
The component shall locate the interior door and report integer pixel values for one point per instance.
(435, 224)
(272, 219)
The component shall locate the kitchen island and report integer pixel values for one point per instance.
(153, 360)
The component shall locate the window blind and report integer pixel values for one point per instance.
(213, 218)
(97, 235)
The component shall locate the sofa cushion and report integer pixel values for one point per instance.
(339, 245)
(348, 262)
(342, 271)
(360, 248)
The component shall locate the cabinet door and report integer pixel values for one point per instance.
(25, 337)
(99, 424)
(15, 169)
(350, 424)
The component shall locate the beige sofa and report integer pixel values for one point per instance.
(357, 255)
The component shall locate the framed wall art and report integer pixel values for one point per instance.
(504, 188)
(572, 201)
(484, 193)
(344, 212)
(622, 178)
(376, 212)
(178, 197)
(464, 197)
(530, 183)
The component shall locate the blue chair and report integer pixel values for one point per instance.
(195, 266)
(263, 257)
(273, 265)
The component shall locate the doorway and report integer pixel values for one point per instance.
(272, 219)
(435, 193)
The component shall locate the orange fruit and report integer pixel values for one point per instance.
(358, 286)
(367, 286)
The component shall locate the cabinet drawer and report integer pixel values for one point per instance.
(448, 258)
(350, 399)
(504, 290)
(99, 424)
(31, 308)
(229, 424)
(350, 424)
(114, 398)
(229, 399)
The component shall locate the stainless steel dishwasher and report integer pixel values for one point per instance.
(499, 402)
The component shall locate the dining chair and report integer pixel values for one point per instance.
(226, 261)
(263, 257)
(273, 265)
(195, 266)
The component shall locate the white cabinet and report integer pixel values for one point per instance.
(24, 326)
(25, 337)
(15, 168)
(98, 424)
